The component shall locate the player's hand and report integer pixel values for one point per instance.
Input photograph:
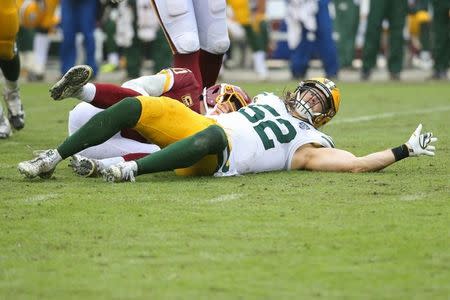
(420, 143)
(115, 1)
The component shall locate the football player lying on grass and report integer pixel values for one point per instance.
(271, 134)
(178, 84)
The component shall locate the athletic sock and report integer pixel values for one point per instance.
(11, 85)
(87, 92)
(11, 68)
(41, 45)
(210, 65)
(107, 94)
(186, 152)
(102, 126)
(190, 61)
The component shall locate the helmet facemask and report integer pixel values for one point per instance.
(312, 103)
(225, 94)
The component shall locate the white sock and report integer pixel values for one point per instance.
(113, 58)
(58, 157)
(41, 44)
(87, 92)
(259, 63)
(11, 85)
(107, 162)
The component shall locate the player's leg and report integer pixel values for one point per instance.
(213, 36)
(10, 66)
(326, 44)
(117, 145)
(178, 20)
(88, 11)
(97, 130)
(68, 52)
(194, 155)
(91, 161)
(75, 84)
(185, 152)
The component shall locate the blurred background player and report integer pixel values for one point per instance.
(395, 13)
(251, 16)
(10, 66)
(39, 17)
(419, 25)
(310, 29)
(139, 34)
(346, 24)
(441, 38)
(78, 16)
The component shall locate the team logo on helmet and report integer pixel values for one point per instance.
(225, 93)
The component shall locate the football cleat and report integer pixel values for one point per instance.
(5, 127)
(16, 114)
(125, 171)
(43, 165)
(84, 166)
(69, 86)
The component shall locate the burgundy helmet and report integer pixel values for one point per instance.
(224, 92)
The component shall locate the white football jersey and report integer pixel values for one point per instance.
(264, 137)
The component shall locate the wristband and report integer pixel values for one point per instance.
(400, 152)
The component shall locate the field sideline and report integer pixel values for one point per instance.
(281, 235)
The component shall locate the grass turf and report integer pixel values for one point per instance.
(302, 235)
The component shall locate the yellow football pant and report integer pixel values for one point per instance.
(9, 26)
(164, 121)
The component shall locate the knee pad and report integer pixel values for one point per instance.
(217, 46)
(187, 43)
(211, 139)
(9, 26)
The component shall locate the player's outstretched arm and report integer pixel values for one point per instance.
(329, 159)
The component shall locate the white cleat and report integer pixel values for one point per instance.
(69, 86)
(43, 165)
(16, 114)
(125, 171)
(5, 127)
(87, 167)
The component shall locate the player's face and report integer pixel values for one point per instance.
(311, 102)
(315, 100)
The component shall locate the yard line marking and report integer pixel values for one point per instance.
(40, 198)
(412, 197)
(223, 198)
(392, 114)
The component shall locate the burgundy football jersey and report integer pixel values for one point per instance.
(185, 88)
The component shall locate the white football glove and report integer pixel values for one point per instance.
(115, 1)
(419, 143)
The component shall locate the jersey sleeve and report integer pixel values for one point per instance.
(183, 87)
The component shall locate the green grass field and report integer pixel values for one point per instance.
(281, 235)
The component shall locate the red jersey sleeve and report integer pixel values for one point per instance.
(185, 88)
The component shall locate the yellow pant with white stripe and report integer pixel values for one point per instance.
(164, 121)
(9, 26)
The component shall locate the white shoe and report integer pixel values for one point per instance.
(16, 114)
(87, 167)
(43, 165)
(5, 127)
(69, 86)
(125, 171)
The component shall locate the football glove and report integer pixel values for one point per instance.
(115, 1)
(420, 143)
